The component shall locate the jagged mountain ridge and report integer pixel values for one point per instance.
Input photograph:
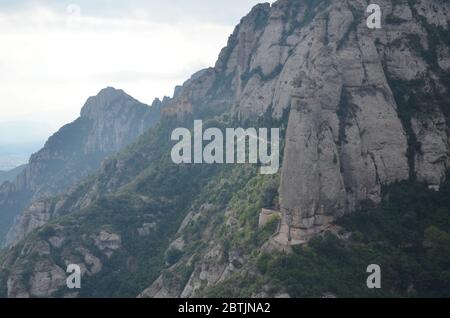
(107, 123)
(353, 124)
(367, 108)
(349, 132)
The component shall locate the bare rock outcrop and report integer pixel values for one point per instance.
(367, 108)
(360, 116)
(108, 122)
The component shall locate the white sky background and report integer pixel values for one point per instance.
(52, 60)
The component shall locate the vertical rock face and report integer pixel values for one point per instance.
(367, 107)
(348, 134)
(117, 119)
(353, 126)
(344, 136)
(107, 123)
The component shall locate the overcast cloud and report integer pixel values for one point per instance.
(52, 59)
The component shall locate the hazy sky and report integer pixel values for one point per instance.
(54, 54)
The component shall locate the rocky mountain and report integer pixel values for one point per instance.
(11, 174)
(108, 122)
(364, 115)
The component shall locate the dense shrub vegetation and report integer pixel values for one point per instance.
(408, 235)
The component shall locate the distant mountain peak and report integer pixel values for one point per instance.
(109, 121)
(109, 99)
(111, 90)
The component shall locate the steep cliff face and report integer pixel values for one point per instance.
(352, 128)
(117, 119)
(107, 123)
(367, 107)
(360, 109)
